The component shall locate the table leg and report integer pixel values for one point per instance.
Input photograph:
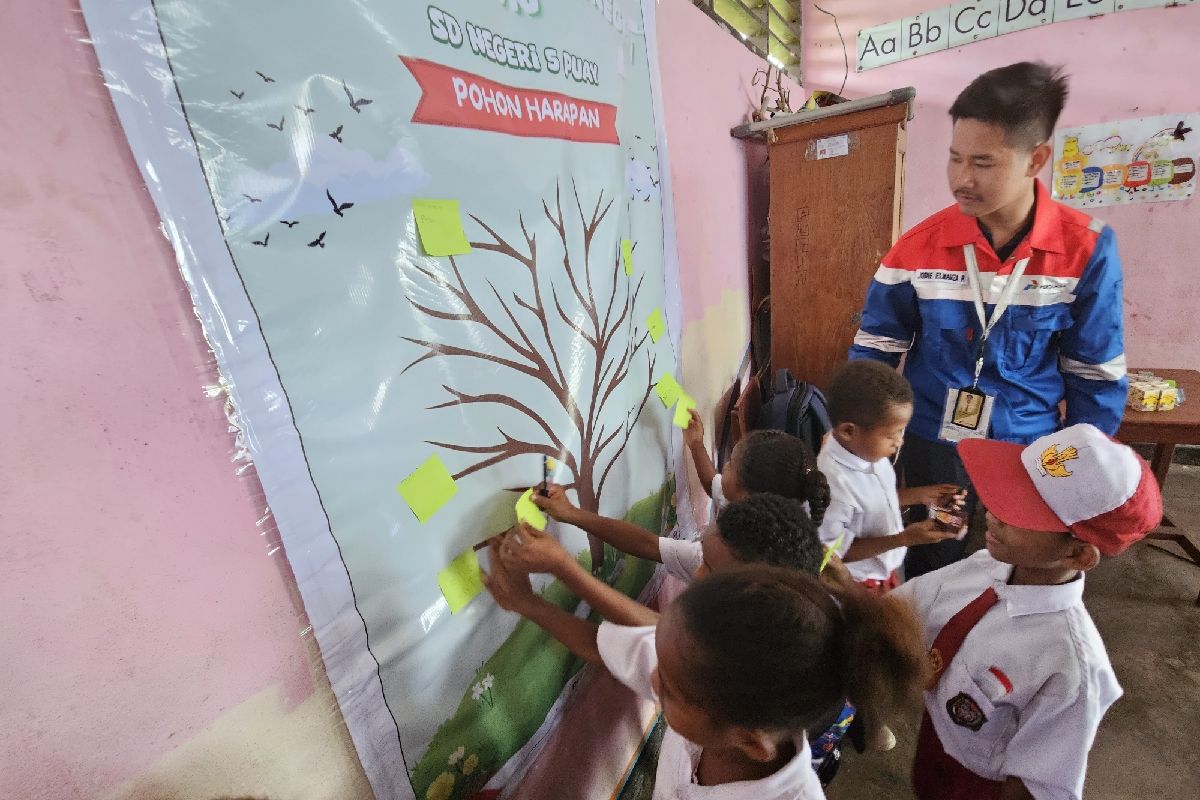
(1160, 465)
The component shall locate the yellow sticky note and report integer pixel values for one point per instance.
(683, 408)
(668, 389)
(440, 225)
(627, 255)
(461, 581)
(529, 513)
(829, 551)
(656, 324)
(428, 489)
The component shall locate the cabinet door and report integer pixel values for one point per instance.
(836, 187)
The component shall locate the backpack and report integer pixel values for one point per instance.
(797, 408)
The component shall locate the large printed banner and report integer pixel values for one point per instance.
(429, 248)
(1145, 160)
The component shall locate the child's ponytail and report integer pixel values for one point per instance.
(816, 492)
(884, 662)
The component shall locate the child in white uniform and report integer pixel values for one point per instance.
(742, 664)
(1021, 676)
(870, 404)
(764, 462)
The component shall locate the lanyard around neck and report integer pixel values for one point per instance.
(1002, 302)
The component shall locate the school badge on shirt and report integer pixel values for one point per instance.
(963, 710)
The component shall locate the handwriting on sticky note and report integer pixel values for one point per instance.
(461, 581)
(627, 255)
(683, 409)
(656, 325)
(668, 389)
(429, 488)
(440, 225)
(529, 513)
(829, 551)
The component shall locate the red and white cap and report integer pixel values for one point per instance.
(1077, 481)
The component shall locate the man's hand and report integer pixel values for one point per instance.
(943, 495)
(926, 532)
(555, 503)
(693, 434)
(526, 549)
(510, 588)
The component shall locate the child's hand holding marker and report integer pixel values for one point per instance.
(555, 503)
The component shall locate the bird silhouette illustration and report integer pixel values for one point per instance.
(304, 110)
(319, 241)
(337, 134)
(252, 199)
(358, 103)
(263, 241)
(338, 208)
(1181, 132)
(290, 223)
(266, 78)
(278, 127)
(238, 95)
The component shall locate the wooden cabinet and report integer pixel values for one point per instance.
(836, 186)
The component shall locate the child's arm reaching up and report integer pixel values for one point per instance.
(693, 438)
(625, 536)
(512, 592)
(525, 549)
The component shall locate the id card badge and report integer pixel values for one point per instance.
(967, 416)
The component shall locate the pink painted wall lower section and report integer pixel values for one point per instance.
(140, 603)
(138, 600)
(1125, 65)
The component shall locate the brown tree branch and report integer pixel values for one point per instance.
(501, 451)
(462, 398)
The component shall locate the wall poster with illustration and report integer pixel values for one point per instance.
(430, 246)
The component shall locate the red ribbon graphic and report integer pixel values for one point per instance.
(464, 100)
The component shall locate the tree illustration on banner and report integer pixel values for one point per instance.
(606, 329)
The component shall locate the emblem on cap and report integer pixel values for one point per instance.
(964, 711)
(1054, 458)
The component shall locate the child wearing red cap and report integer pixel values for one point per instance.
(1021, 677)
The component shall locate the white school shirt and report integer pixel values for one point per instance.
(718, 494)
(1026, 691)
(863, 502)
(681, 558)
(629, 654)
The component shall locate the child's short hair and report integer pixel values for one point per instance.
(775, 652)
(865, 392)
(1024, 99)
(769, 529)
(776, 462)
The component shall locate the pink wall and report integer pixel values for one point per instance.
(143, 613)
(1131, 64)
(138, 601)
(719, 183)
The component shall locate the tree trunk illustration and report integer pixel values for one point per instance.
(606, 330)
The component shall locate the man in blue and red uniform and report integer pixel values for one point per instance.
(1054, 336)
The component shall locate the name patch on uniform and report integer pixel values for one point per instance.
(941, 276)
(963, 710)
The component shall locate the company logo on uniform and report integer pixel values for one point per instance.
(964, 711)
(1046, 285)
(1054, 458)
(941, 276)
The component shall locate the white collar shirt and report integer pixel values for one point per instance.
(863, 503)
(629, 654)
(1027, 689)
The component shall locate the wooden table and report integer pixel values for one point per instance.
(1165, 430)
